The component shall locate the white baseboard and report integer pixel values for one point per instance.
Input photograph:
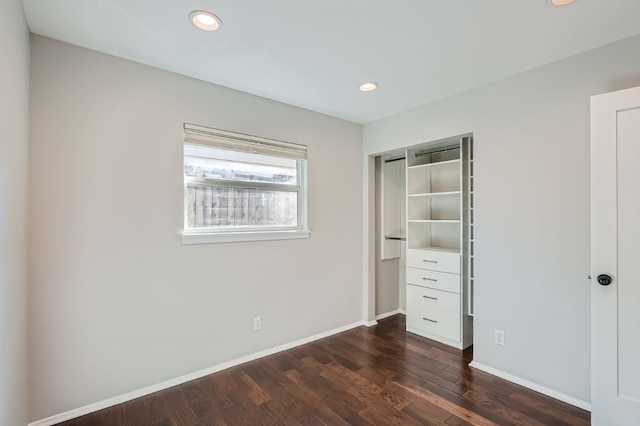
(389, 314)
(106, 403)
(370, 323)
(533, 386)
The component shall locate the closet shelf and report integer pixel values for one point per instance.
(436, 194)
(442, 165)
(434, 221)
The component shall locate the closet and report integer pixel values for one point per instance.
(425, 239)
(439, 259)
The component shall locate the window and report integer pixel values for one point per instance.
(242, 188)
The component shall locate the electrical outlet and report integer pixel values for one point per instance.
(499, 337)
(257, 323)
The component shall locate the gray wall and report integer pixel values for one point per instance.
(14, 144)
(117, 303)
(532, 207)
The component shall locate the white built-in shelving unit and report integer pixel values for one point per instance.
(440, 241)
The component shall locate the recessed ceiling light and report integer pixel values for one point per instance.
(205, 20)
(561, 2)
(369, 86)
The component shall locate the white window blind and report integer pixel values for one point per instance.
(224, 139)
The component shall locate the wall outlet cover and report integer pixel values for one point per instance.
(257, 323)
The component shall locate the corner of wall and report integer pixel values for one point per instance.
(14, 151)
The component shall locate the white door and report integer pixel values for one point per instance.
(615, 252)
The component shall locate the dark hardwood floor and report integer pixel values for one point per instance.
(365, 376)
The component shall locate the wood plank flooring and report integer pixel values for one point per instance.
(365, 376)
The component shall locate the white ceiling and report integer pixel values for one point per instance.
(315, 54)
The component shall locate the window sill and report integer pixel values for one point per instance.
(232, 237)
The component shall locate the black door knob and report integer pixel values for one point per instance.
(604, 279)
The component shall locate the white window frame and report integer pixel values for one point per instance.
(199, 136)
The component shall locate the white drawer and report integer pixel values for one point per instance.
(434, 279)
(433, 320)
(434, 260)
(434, 298)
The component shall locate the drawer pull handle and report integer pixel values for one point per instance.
(430, 320)
(430, 279)
(429, 297)
(430, 261)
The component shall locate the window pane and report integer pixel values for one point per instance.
(283, 173)
(210, 207)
